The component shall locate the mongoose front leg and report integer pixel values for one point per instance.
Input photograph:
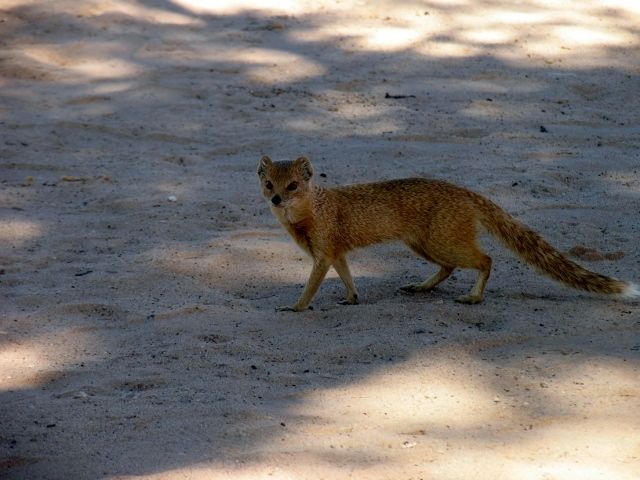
(318, 272)
(342, 267)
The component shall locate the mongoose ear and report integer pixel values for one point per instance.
(303, 165)
(265, 165)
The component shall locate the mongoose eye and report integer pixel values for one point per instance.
(269, 185)
(292, 186)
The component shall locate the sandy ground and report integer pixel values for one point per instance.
(138, 337)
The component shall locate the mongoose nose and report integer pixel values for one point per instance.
(276, 200)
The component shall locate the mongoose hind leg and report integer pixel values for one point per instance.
(423, 249)
(463, 254)
(430, 283)
(483, 266)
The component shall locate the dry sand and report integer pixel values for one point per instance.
(140, 267)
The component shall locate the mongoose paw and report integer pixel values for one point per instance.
(285, 309)
(349, 301)
(292, 309)
(413, 288)
(409, 288)
(469, 299)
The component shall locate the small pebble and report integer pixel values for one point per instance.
(172, 198)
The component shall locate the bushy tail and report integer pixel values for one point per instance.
(538, 253)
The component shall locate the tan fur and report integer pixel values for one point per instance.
(439, 221)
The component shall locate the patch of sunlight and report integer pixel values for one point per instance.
(567, 470)
(16, 232)
(408, 399)
(621, 5)
(447, 49)
(97, 8)
(452, 3)
(86, 59)
(484, 110)
(364, 127)
(575, 35)
(111, 69)
(133, 9)
(446, 414)
(442, 414)
(270, 469)
(232, 7)
(33, 359)
(269, 66)
(448, 28)
(512, 18)
(577, 448)
(226, 261)
(21, 365)
(375, 127)
(488, 36)
(113, 87)
(389, 38)
(305, 125)
(362, 113)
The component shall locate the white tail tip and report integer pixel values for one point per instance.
(632, 291)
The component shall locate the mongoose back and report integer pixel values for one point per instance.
(439, 221)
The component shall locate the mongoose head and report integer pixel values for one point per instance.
(284, 183)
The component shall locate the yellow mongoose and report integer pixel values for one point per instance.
(437, 220)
